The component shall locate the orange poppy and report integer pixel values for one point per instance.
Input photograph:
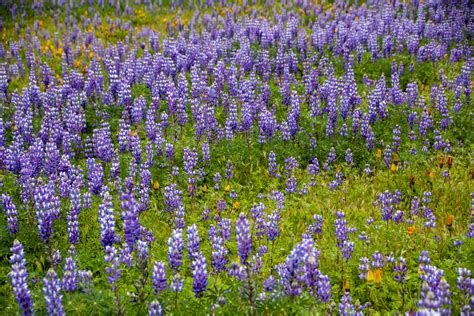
(442, 161)
(379, 153)
(450, 220)
(378, 276)
(450, 161)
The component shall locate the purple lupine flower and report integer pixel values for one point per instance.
(299, 270)
(73, 226)
(435, 293)
(323, 285)
(142, 251)
(217, 180)
(377, 260)
(279, 198)
(229, 170)
(340, 225)
(85, 277)
(47, 209)
(175, 249)
(154, 308)
(95, 175)
(205, 214)
(466, 286)
(424, 257)
(363, 237)
(347, 249)
(243, 236)
(11, 213)
(199, 267)
(169, 149)
(269, 284)
(225, 225)
(173, 197)
(291, 185)
(316, 228)
(131, 223)
(398, 217)
(363, 268)
(345, 305)
(177, 283)
(238, 271)
(349, 157)
(294, 114)
(103, 146)
(87, 200)
(19, 279)
(106, 220)
(273, 230)
(69, 281)
(190, 161)
(158, 277)
(112, 269)
(219, 251)
(206, 152)
(400, 270)
(52, 294)
(179, 217)
(387, 156)
(193, 241)
(221, 205)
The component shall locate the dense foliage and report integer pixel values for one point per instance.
(236, 158)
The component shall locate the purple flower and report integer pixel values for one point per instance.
(229, 170)
(199, 267)
(363, 268)
(400, 270)
(154, 308)
(158, 277)
(175, 249)
(273, 230)
(219, 253)
(377, 260)
(69, 281)
(340, 229)
(291, 185)
(424, 257)
(435, 293)
(131, 223)
(243, 236)
(112, 270)
(177, 283)
(19, 279)
(193, 241)
(106, 220)
(316, 228)
(52, 294)
(347, 249)
(269, 284)
(190, 161)
(73, 226)
(11, 213)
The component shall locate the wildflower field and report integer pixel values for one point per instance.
(236, 157)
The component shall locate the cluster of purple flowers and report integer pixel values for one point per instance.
(96, 119)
